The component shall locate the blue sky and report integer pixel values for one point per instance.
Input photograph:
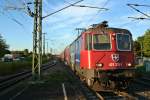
(60, 27)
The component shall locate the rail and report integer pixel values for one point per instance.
(115, 95)
(9, 81)
(87, 92)
(95, 95)
(143, 80)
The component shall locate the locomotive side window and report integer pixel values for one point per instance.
(88, 42)
(123, 42)
(101, 42)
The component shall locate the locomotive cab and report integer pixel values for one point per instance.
(108, 53)
(108, 50)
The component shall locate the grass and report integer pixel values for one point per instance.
(13, 67)
(7, 68)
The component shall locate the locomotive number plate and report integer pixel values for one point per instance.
(115, 64)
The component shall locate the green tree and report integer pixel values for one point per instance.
(26, 52)
(140, 39)
(137, 48)
(146, 43)
(3, 47)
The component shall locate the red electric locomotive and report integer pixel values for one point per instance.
(102, 54)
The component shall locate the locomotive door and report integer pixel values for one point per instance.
(77, 53)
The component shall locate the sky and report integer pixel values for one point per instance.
(16, 26)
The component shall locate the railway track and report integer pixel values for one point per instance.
(115, 95)
(133, 93)
(143, 80)
(12, 80)
(138, 91)
(87, 92)
(99, 95)
(141, 88)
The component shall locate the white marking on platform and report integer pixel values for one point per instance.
(64, 91)
(101, 98)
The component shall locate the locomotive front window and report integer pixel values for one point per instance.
(101, 42)
(88, 42)
(123, 42)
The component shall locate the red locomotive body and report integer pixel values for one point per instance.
(110, 57)
(102, 52)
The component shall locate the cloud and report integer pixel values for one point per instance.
(63, 24)
(74, 12)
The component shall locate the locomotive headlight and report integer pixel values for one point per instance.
(99, 65)
(129, 64)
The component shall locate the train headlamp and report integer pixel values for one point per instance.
(99, 65)
(129, 64)
(114, 34)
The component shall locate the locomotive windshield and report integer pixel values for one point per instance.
(123, 42)
(88, 40)
(101, 42)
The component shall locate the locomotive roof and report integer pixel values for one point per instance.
(108, 30)
(101, 28)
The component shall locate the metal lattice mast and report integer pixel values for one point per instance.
(37, 38)
(44, 43)
(34, 56)
(37, 34)
(39, 31)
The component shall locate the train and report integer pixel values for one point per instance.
(103, 55)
